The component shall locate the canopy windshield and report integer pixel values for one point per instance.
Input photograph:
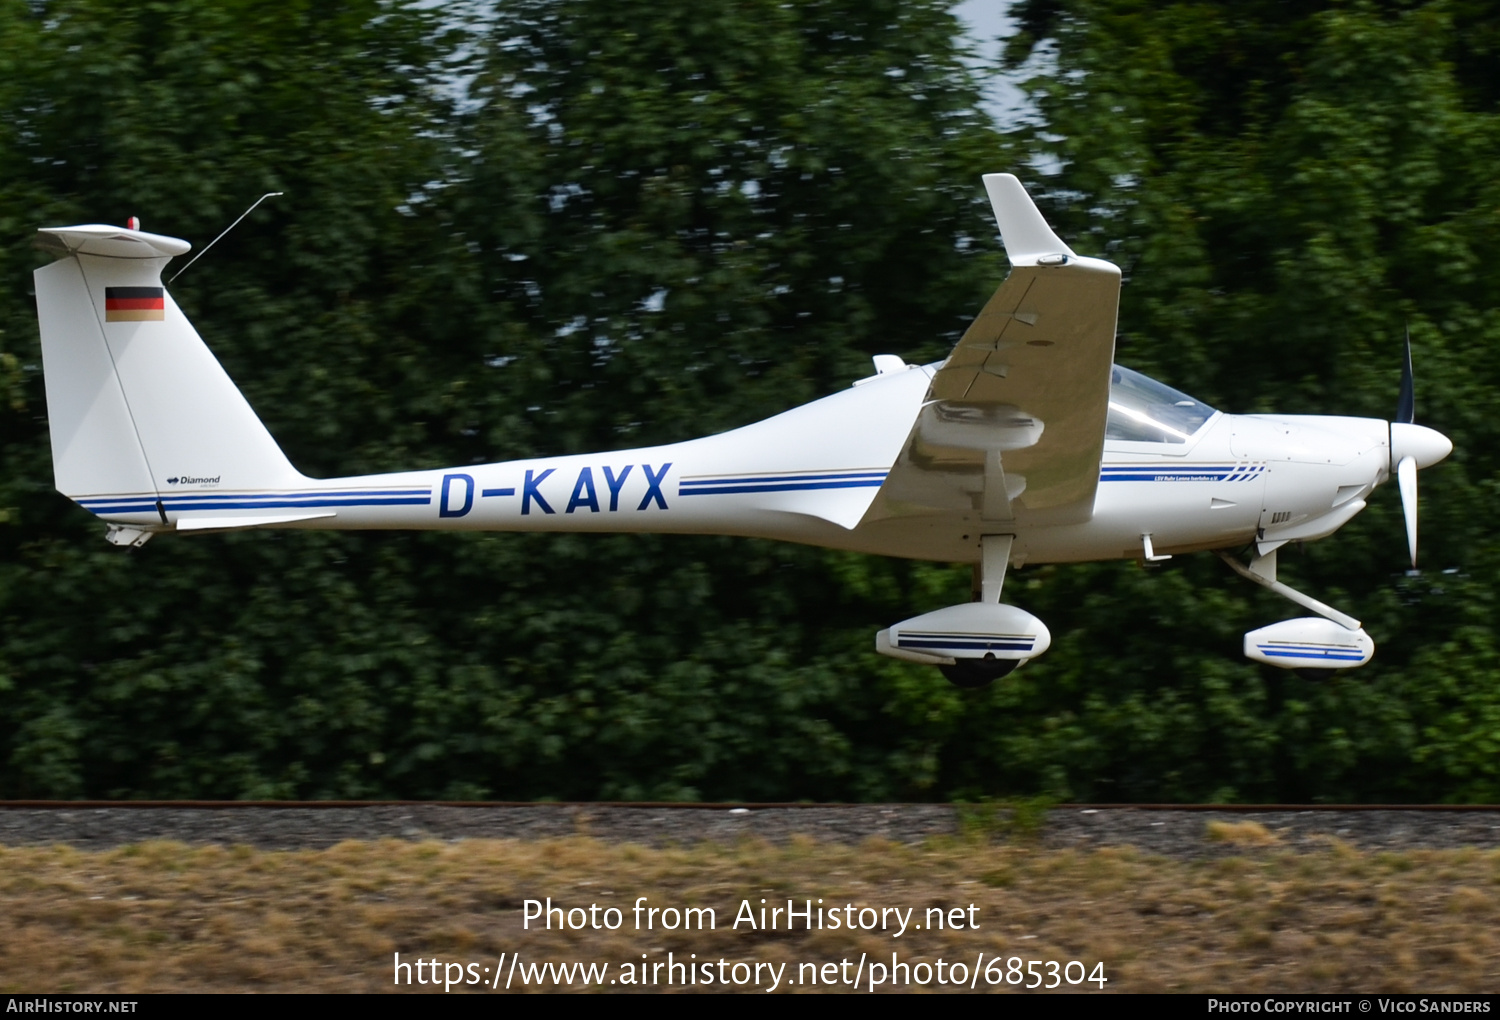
(1143, 410)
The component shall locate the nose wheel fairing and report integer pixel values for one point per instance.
(1329, 641)
(1309, 643)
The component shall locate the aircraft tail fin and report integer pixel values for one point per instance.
(138, 406)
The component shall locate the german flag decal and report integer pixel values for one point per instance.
(134, 304)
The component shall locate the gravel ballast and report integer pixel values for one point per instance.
(1182, 833)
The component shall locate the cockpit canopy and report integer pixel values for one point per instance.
(1142, 410)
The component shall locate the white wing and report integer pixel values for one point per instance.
(1013, 426)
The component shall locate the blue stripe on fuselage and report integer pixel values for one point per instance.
(257, 501)
(728, 485)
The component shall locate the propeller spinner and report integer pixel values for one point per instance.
(1413, 446)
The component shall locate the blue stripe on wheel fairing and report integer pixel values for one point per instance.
(967, 642)
(1312, 653)
(1003, 646)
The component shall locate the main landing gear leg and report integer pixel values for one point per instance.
(994, 558)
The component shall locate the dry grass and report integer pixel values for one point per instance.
(166, 917)
(1242, 833)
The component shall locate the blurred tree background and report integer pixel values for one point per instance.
(552, 226)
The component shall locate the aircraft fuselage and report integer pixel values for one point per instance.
(813, 475)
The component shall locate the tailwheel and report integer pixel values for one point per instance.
(972, 674)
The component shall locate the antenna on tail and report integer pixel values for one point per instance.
(247, 212)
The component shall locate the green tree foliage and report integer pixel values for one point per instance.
(510, 237)
(554, 227)
(1288, 187)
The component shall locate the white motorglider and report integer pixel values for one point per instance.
(1027, 445)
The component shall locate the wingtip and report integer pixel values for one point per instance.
(1023, 229)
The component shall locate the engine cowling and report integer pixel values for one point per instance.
(974, 630)
(1310, 642)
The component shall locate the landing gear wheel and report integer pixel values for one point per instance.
(972, 674)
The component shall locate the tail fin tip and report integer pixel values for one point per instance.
(110, 242)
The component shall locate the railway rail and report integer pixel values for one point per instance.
(699, 805)
(1174, 830)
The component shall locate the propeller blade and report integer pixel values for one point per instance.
(1406, 477)
(1406, 405)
